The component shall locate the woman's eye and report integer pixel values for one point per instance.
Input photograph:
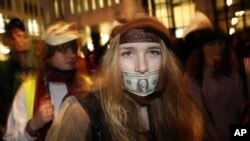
(154, 52)
(126, 54)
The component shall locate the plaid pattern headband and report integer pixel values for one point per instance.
(138, 35)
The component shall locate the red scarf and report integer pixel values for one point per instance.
(42, 91)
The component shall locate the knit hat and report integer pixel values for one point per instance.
(60, 33)
(149, 25)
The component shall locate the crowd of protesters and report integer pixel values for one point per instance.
(147, 86)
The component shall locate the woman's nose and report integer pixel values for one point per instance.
(141, 65)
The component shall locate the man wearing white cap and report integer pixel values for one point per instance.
(37, 101)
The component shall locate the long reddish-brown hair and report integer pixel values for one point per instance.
(173, 112)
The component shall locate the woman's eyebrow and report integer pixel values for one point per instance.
(155, 47)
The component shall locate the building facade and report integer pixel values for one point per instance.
(96, 18)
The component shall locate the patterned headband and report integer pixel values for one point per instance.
(138, 35)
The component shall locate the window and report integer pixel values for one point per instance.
(86, 6)
(8, 3)
(26, 8)
(247, 17)
(93, 4)
(56, 8)
(183, 13)
(163, 14)
(79, 6)
(72, 8)
(175, 14)
(2, 3)
(101, 4)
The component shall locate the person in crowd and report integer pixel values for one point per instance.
(241, 45)
(213, 75)
(38, 99)
(142, 49)
(16, 68)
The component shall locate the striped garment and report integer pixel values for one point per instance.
(223, 98)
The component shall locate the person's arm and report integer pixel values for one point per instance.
(72, 122)
(17, 120)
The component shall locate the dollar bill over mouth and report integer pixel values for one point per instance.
(140, 84)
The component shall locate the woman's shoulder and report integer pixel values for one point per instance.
(81, 102)
(71, 117)
(72, 110)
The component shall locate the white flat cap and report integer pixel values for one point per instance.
(60, 33)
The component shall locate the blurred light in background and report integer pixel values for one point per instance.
(231, 30)
(229, 2)
(234, 20)
(179, 32)
(56, 8)
(116, 1)
(4, 51)
(90, 46)
(86, 6)
(239, 13)
(2, 30)
(104, 38)
(33, 27)
(101, 3)
(93, 5)
(109, 3)
(81, 54)
(105, 29)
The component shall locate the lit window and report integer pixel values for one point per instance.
(2, 30)
(33, 27)
(101, 3)
(86, 6)
(231, 30)
(117, 1)
(4, 49)
(30, 26)
(183, 14)
(229, 2)
(56, 8)
(93, 5)
(239, 13)
(62, 7)
(109, 2)
(234, 20)
(90, 46)
(79, 6)
(72, 9)
(179, 32)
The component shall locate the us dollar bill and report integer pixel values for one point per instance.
(140, 84)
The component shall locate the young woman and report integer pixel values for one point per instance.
(38, 99)
(141, 50)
